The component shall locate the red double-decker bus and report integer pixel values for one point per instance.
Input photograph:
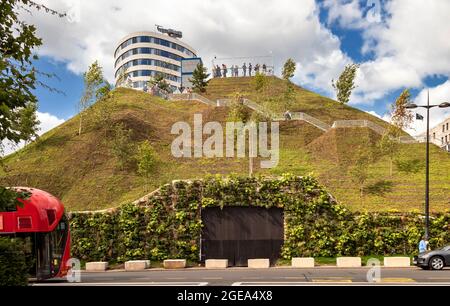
(43, 226)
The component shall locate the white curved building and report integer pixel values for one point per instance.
(142, 55)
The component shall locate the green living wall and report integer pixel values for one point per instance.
(168, 224)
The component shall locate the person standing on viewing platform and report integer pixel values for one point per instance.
(236, 69)
(219, 74)
(264, 67)
(244, 69)
(250, 69)
(256, 68)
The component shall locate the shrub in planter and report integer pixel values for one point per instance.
(13, 264)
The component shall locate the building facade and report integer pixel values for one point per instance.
(440, 135)
(140, 56)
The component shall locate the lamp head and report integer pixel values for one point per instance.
(444, 105)
(411, 106)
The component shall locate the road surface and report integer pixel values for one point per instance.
(262, 277)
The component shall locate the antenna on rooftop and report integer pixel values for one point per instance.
(171, 32)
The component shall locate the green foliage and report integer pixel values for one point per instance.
(160, 82)
(389, 145)
(168, 224)
(237, 111)
(380, 188)
(199, 78)
(289, 69)
(409, 166)
(261, 82)
(346, 83)
(9, 198)
(17, 72)
(288, 96)
(401, 117)
(360, 170)
(146, 159)
(13, 263)
(121, 146)
(27, 123)
(95, 87)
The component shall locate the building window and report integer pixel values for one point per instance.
(447, 126)
(443, 128)
(158, 41)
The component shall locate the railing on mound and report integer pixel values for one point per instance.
(311, 120)
(191, 97)
(359, 123)
(294, 116)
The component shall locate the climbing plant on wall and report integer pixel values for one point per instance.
(168, 224)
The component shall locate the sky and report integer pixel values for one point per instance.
(399, 44)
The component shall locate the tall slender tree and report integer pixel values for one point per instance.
(95, 86)
(289, 69)
(346, 83)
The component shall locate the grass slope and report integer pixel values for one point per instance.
(82, 171)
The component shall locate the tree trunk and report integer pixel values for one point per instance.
(81, 121)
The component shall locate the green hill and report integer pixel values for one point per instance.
(83, 172)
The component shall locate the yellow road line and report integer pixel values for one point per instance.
(397, 280)
(332, 281)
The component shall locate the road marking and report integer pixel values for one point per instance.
(140, 284)
(238, 284)
(398, 280)
(331, 280)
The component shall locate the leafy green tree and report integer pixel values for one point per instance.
(346, 83)
(359, 171)
(9, 198)
(147, 160)
(28, 122)
(401, 118)
(159, 81)
(17, 71)
(261, 82)
(95, 86)
(409, 166)
(199, 78)
(122, 146)
(17, 113)
(238, 112)
(389, 146)
(289, 69)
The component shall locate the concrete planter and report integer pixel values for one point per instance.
(303, 262)
(175, 264)
(216, 264)
(349, 262)
(397, 262)
(263, 263)
(137, 265)
(96, 266)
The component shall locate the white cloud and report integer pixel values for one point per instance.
(232, 28)
(438, 95)
(348, 14)
(47, 122)
(409, 41)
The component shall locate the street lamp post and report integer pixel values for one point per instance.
(427, 162)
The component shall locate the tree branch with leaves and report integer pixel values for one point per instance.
(345, 84)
